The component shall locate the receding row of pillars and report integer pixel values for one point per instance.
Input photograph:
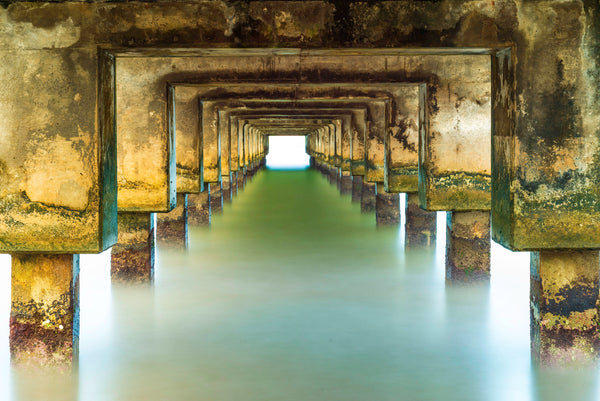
(53, 296)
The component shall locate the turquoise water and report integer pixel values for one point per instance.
(293, 294)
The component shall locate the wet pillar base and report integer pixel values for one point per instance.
(198, 209)
(241, 180)
(346, 184)
(234, 183)
(172, 227)
(368, 197)
(387, 207)
(338, 178)
(226, 189)
(44, 316)
(564, 306)
(357, 181)
(215, 196)
(468, 246)
(132, 258)
(332, 174)
(420, 224)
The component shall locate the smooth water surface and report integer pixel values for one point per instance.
(293, 294)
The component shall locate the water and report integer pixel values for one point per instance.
(292, 294)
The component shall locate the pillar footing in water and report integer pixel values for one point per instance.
(132, 258)
(44, 317)
(234, 184)
(199, 209)
(215, 196)
(420, 224)
(346, 183)
(357, 181)
(172, 227)
(226, 189)
(368, 197)
(468, 246)
(387, 207)
(564, 306)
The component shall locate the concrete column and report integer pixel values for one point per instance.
(387, 207)
(226, 188)
(338, 178)
(199, 209)
(368, 197)
(357, 181)
(346, 183)
(234, 183)
(420, 224)
(132, 258)
(44, 316)
(468, 246)
(172, 227)
(241, 180)
(564, 306)
(215, 196)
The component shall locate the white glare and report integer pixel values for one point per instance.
(287, 152)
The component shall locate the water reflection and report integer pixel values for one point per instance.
(293, 294)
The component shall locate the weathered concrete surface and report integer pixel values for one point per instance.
(368, 197)
(44, 316)
(387, 207)
(199, 209)
(132, 258)
(420, 226)
(172, 227)
(188, 141)
(468, 246)
(226, 188)
(401, 144)
(57, 175)
(346, 183)
(234, 184)
(564, 306)
(357, 181)
(215, 198)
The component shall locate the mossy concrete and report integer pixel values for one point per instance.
(420, 226)
(133, 257)
(387, 207)
(564, 306)
(468, 246)
(44, 316)
(172, 227)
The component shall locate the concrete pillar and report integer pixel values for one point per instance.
(368, 197)
(468, 246)
(420, 224)
(44, 316)
(241, 180)
(338, 178)
(387, 207)
(564, 306)
(172, 227)
(234, 183)
(132, 258)
(346, 183)
(226, 188)
(215, 196)
(199, 209)
(357, 181)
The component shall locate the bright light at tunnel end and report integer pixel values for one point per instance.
(287, 153)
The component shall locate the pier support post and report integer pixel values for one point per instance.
(468, 246)
(357, 181)
(234, 183)
(172, 227)
(241, 180)
(226, 188)
(132, 258)
(215, 196)
(199, 209)
(420, 224)
(346, 184)
(564, 306)
(387, 207)
(368, 197)
(44, 317)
